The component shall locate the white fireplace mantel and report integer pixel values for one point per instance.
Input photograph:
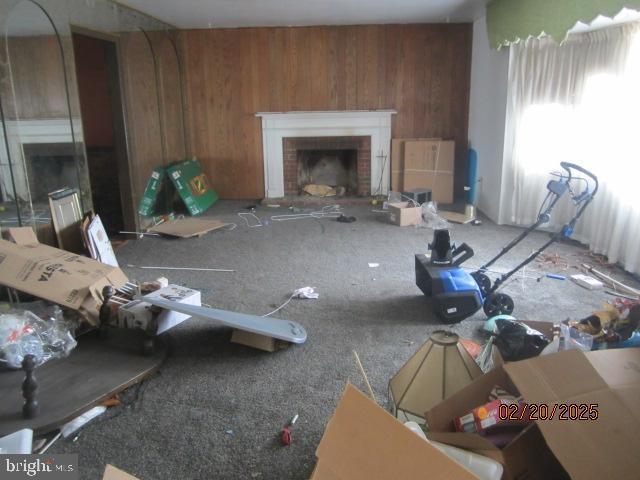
(279, 125)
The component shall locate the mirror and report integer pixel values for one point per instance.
(41, 141)
(50, 109)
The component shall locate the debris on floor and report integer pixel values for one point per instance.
(320, 190)
(190, 269)
(23, 333)
(285, 434)
(530, 443)
(587, 282)
(187, 227)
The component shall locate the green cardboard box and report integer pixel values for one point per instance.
(192, 186)
(147, 206)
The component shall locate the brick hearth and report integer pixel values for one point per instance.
(291, 145)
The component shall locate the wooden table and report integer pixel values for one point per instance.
(94, 371)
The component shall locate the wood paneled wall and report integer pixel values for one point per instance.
(422, 71)
(37, 78)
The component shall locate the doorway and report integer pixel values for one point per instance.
(101, 105)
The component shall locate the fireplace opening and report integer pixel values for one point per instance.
(332, 168)
(50, 166)
(327, 166)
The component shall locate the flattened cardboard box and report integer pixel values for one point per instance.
(187, 227)
(606, 447)
(363, 441)
(61, 277)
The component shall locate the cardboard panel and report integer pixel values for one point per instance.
(56, 275)
(187, 227)
(363, 441)
(433, 155)
(441, 183)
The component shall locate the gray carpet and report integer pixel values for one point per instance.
(215, 408)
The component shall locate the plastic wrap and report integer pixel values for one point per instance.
(430, 216)
(23, 333)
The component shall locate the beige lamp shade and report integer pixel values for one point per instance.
(437, 370)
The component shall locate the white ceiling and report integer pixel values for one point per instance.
(253, 13)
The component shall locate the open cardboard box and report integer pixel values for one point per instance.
(363, 441)
(586, 449)
(404, 214)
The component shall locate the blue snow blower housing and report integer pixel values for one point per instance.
(458, 294)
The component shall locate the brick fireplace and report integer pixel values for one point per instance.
(293, 149)
(367, 131)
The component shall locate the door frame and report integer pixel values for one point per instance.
(119, 110)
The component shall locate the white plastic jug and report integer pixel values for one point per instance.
(482, 467)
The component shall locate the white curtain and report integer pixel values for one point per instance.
(579, 102)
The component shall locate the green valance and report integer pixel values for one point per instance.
(511, 20)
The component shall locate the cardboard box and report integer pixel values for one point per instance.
(61, 277)
(22, 235)
(486, 416)
(397, 162)
(192, 186)
(405, 214)
(606, 447)
(149, 198)
(363, 441)
(255, 340)
(138, 313)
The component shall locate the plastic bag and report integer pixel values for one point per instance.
(516, 341)
(23, 333)
(430, 216)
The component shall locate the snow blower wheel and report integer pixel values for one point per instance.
(498, 304)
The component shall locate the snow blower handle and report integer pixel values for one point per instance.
(567, 166)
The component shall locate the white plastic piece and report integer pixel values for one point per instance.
(482, 467)
(587, 282)
(19, 442)
(78, 422)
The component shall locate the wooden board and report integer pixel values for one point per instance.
(68, 387)
(422, 71)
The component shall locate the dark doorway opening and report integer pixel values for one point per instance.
(97, 75)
